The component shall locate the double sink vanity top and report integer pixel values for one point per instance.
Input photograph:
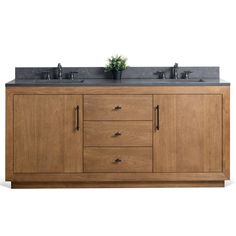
(133, 76)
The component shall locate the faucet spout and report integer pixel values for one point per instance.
(174, 71)
(59, 71)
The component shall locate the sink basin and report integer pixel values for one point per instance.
(112, 82)
(53, 81)
(181, 80)
(63, 81)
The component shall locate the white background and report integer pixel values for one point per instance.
(149, 33)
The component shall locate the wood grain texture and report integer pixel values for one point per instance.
(60, 179)
(9, 170)
(132, 133)
(45, 139)
(141, 184)
(137, 159)
(131, 107)
(190, 135)
(164, 139)
(121, 90)
(84, 177)
(226, 132)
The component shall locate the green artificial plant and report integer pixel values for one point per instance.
(116, 63)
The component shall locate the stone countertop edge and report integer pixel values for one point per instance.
(13, 83)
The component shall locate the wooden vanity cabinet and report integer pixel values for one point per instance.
(47, 137)
(117, 136)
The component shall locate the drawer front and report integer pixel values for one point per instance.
(118, 133)
(118, 107)
(138, 159)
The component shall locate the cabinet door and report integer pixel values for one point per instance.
(189, 136)
(46, 136)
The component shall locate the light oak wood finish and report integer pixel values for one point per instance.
(138, 159)
(9, 172)
(155, 179)
(87, 177)
(190, 134)
(118, 107)
(131, 133)
(45, 138)
(116, 90)
(226, 131)
(123, 184)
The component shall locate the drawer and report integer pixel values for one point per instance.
(118, 133)
(118, 107)
(138, 159)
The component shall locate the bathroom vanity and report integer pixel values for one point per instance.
(141, 131)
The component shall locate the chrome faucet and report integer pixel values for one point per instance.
(59, 71)
(174, 71)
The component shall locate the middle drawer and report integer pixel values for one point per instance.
(117, 133)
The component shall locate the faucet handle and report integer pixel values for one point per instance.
(72, 74)
(161, 75)
(186, 74)
(46, 75)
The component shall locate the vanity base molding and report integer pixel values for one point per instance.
(154, 184)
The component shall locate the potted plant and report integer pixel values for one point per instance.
(116, 64)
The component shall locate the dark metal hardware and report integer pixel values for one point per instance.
(157, 117)
(161, 75)
(46, 75)
(186, 74)
(117, 134)
(117, 160)
(118, 108)
(174, 71)
(59, 71)
(72, 75)
(77, 118)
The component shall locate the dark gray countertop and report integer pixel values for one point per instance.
(123, 82)
(132, 76)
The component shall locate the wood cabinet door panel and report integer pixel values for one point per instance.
(45, 135)
(189, 138)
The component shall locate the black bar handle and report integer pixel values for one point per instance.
(157, 117)
(77, 118)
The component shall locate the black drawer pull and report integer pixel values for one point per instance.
(116, 134)
(77, 118)
(117, 160)
(117, 108)
(157, 117)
